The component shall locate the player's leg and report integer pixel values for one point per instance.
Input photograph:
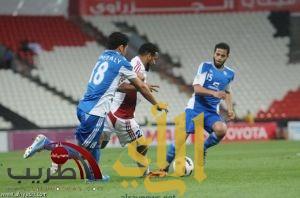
(217, 128)
(88, 133)
(171, 151)
(142, 148)
(131, 133)
(189, 125)
(107, 131)
(128, 131)
(40, 142)
(104, 139)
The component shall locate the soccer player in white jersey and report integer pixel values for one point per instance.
(121, 117)
(211, 85)
(94, 106)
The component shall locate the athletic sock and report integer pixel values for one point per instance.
(212, 140)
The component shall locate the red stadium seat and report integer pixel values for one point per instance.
(287, 108)
(48, 31)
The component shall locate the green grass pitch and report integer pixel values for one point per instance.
(256, 169)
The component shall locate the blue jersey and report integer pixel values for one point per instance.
(104, 81)
(210, 77)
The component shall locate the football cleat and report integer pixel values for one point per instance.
(38, 144)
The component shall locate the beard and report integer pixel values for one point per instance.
(218, 65)
(147, 67)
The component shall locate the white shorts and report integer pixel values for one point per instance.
(127, 130)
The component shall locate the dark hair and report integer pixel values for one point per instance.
(148, 48)
(223, 46)
(116, 39)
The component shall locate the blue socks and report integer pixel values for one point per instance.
(96, 154)
(48, 146)
(171, 153)
(212, 140)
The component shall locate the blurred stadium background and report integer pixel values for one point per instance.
(48, 49)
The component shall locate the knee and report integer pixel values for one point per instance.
(220, 129)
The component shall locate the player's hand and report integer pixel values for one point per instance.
(220, 94)
(162, 106)
(231, 115)
(153, 87)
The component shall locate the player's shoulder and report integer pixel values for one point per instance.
(137, 64)
(204, 66)
(114, 56)
(135, 60)
(123, 61)
(122, 58)
(229, 70)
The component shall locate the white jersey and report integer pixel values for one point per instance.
(124, 104)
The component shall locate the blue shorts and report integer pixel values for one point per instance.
(210, 118)
(89, 130)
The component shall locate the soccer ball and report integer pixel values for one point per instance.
(183, 166)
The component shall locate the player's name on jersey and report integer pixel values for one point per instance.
(110, 58)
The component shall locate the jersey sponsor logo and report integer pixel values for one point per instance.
(216, 84)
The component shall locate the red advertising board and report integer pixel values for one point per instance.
(19, 140)
(131, 7)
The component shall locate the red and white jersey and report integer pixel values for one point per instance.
(123, 105)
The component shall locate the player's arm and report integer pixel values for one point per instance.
(198, 89)
(145, 91)
(199, 81)
(141, 87)
(127, 87)
(228, 102)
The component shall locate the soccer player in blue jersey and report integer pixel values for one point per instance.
(211, 85)
(95, 104)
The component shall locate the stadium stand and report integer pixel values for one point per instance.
(54, 65)
(68, 68)
(34, 103)
(286, 108)
(255, 54)
(4, 124)
(167, 92)
(48, 31)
